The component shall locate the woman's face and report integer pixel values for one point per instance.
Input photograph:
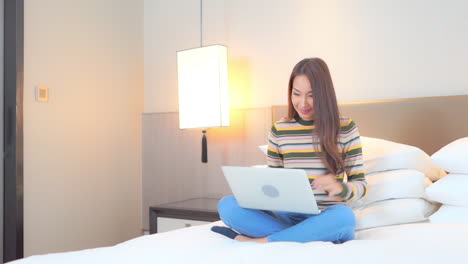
(301, 97)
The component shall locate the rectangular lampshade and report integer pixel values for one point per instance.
(203, 87)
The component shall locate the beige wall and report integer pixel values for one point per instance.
(375, 49)
(82, 149)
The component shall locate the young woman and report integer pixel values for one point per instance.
(314, 138)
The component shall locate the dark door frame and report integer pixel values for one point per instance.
(13, 129)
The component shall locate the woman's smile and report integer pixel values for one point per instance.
(305, 111)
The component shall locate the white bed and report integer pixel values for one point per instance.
(409, 243)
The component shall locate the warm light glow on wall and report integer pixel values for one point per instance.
(203, 87)
(240, 83)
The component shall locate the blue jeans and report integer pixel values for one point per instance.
(335, 224)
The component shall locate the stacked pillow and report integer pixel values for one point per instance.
(397, 176)
(383, 155)
(452, 190)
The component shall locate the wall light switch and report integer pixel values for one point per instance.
(42, 94)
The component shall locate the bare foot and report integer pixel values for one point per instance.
(243, 238)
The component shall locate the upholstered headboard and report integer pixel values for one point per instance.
(428, 123)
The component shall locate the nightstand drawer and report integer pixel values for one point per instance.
(180, 214)
(167, 224)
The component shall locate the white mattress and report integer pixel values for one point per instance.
(409, 243)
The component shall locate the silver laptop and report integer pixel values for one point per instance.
(272, 189)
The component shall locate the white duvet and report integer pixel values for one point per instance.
(409, 243)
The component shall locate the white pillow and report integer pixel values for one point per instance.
(450, 214)
(453, 157)
(393, 212)
(384, 155)
(393, 184)
(451, 190)
(264, 149)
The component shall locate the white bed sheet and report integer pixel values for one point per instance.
(409, 243)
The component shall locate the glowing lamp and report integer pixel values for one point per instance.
(203, 89)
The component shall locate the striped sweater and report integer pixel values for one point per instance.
(290, 146)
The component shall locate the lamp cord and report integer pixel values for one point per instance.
(201, 23)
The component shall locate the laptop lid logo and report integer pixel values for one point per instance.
(270, 191)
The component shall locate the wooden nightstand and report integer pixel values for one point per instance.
(182, 214)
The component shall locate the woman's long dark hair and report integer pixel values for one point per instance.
(326, 113)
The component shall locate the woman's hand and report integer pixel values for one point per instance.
(329, 184)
